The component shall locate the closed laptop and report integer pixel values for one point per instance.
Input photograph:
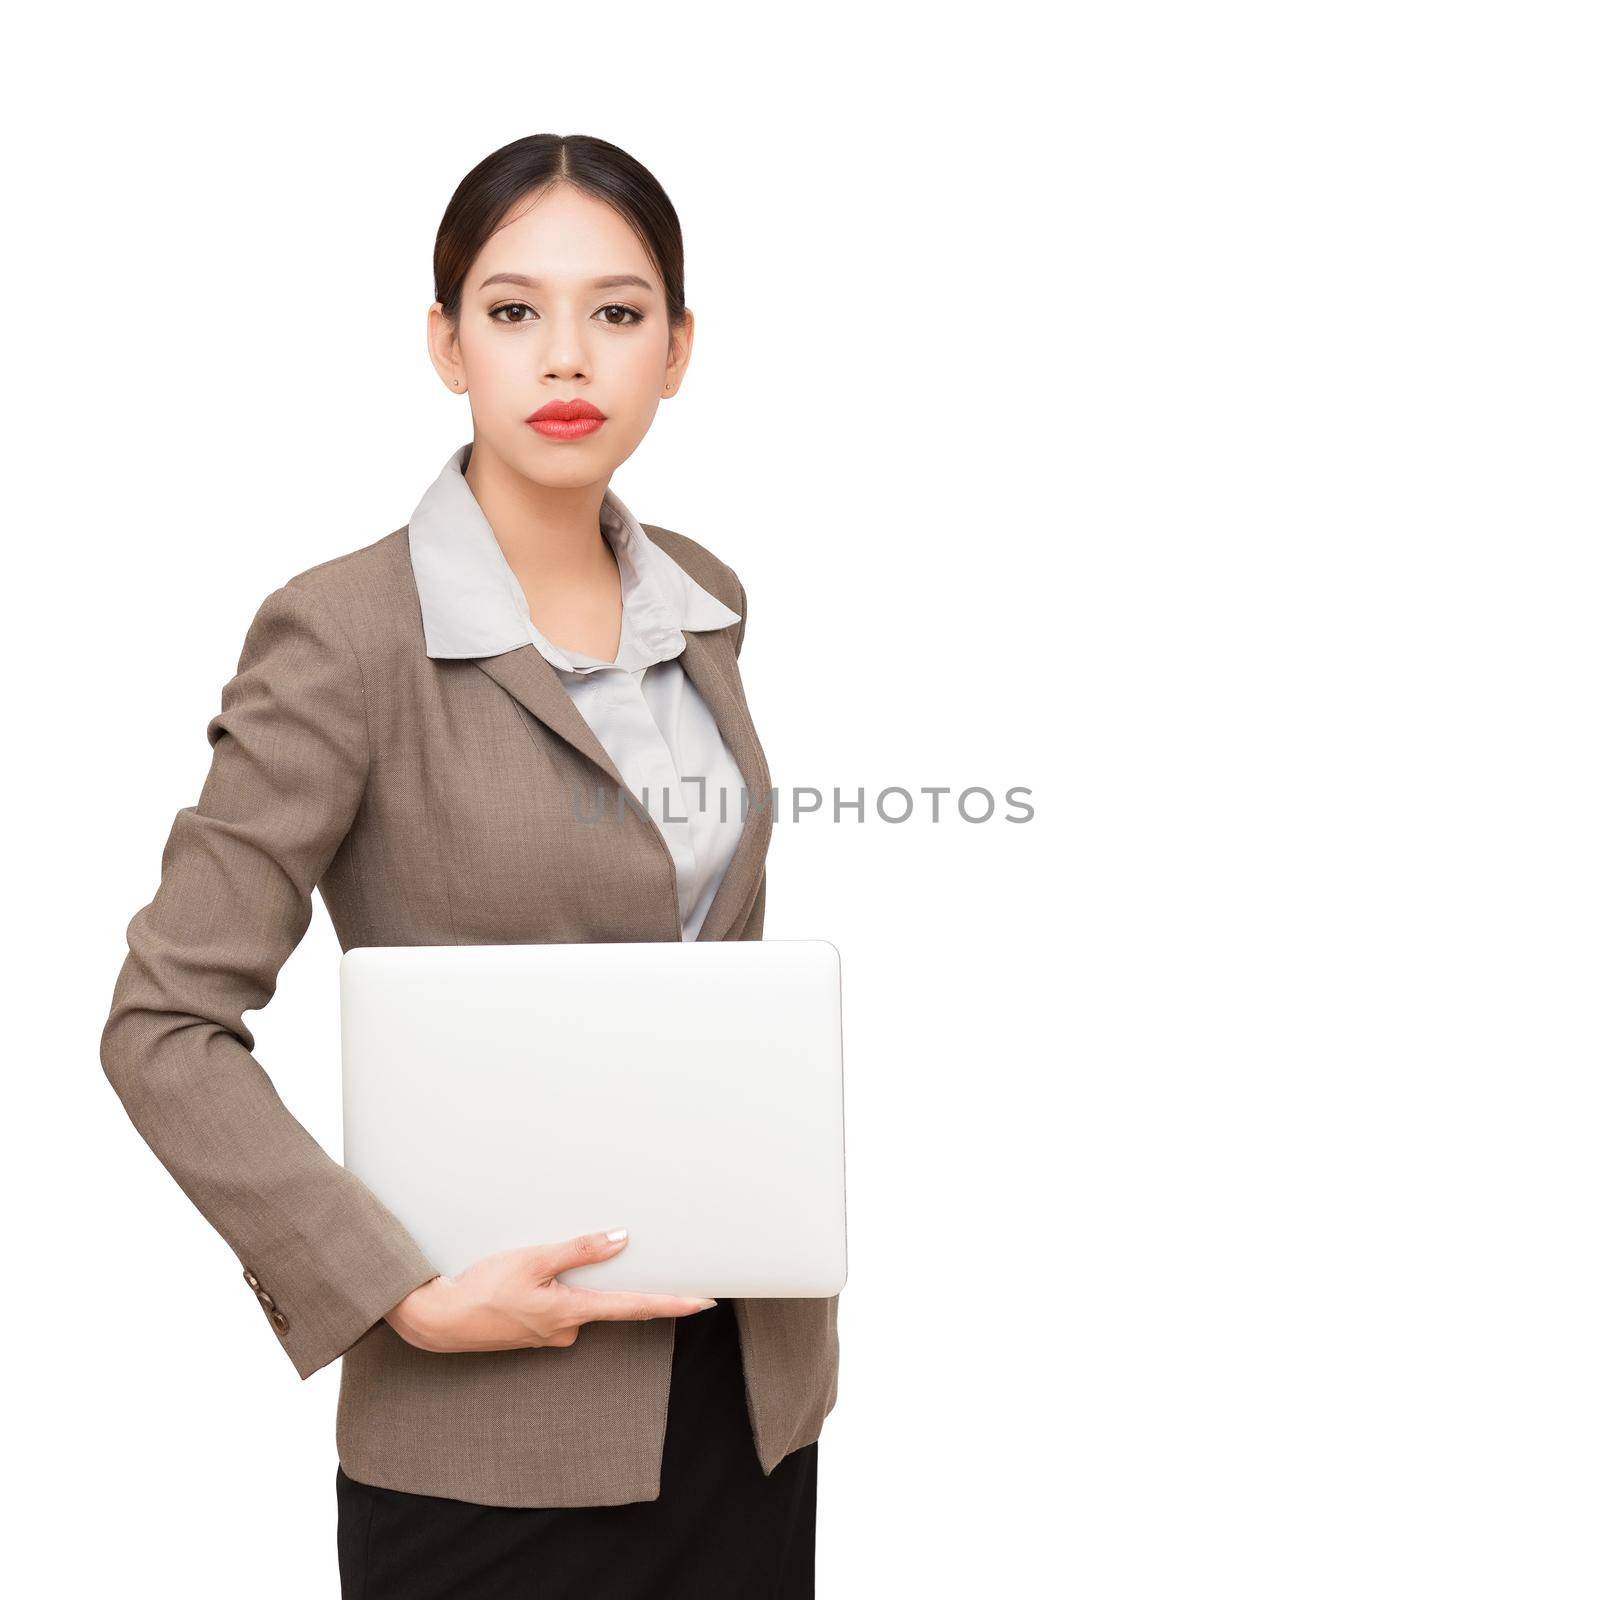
(505, 1095)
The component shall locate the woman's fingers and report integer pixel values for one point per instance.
(544, 1261)
(618, 1305)
(549, 1259)
(513, 1298)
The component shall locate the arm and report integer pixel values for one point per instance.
(289, 766)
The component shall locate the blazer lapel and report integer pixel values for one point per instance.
(530, 679)
(525, 675)
(707, 662)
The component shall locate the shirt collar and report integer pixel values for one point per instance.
(473, 605)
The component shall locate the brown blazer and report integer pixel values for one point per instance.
(432, 802)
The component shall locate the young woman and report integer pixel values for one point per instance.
(419, 728)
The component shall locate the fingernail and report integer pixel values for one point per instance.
(706, 1305)
(617, 1233)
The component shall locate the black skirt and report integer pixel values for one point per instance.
(720, 1528)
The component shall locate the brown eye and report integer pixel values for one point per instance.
(515, 305)
(627, 311)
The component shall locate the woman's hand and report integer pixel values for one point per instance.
(511, 1300)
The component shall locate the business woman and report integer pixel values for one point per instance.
(420, 728)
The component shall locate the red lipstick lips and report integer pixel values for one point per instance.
(566, 419)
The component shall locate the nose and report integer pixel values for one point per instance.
(563, 355)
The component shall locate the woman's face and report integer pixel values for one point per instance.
(563, 303)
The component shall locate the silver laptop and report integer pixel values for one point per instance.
(505, 1095)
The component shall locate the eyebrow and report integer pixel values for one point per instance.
(618, 280)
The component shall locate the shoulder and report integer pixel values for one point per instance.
(708, 570)
(369, 592)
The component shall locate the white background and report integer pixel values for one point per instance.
(1186, 412)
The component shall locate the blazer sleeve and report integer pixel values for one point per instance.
(744, 605)
(322, 1255)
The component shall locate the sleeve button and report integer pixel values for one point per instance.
(251, 1279)
(266, 1299)
(280, 1322)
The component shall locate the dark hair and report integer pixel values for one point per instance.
(486, 196)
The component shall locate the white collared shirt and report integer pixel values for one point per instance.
(642, 707)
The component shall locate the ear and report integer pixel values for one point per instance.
(678, 355)
(444, 350)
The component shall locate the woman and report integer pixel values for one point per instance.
(419, 729)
